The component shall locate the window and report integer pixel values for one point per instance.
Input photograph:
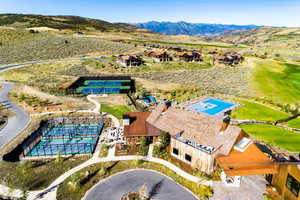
(293, 185)
(188, 157)
(175, 151)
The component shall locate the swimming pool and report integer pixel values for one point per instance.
(211, 106)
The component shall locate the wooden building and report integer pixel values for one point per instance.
(229, 58)
(207, 141)
(158, 55)
(287, 181)
(135, 127)
(130, 60)
(188, 56)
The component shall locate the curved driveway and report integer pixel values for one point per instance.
(15, 123)
(159, 185)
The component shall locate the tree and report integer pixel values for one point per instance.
(143, 141)
(164, 139)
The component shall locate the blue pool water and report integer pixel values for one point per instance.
(152, 98)
(211, 106)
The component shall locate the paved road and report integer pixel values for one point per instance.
(131, 181)
(17, 122)
(11, 66)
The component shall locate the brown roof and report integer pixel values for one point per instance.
(138, 125)
(250, 162)
(127, 57)
(179, 54)
(196, 127)
(155, 53)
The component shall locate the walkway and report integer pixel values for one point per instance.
(7, 192)
(252, 188)
(15, 123)
(50, 192)
(160, 186)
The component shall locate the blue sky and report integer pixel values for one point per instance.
(260, 12)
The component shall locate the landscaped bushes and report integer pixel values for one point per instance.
(92, 175)
(36, 175)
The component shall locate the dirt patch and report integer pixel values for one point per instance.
(115, 99)
(55, 103)
(152, 85)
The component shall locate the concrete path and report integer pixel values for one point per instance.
(15, 123)
(50, 192)
(111, 151)
(160, 186)
(7, 192)
(97, 104)
(252, 188)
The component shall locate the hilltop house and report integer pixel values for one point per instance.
(229, 58)
(158, 55)
(188, 56)
(130, 60)
(135, 127)
(202, 137)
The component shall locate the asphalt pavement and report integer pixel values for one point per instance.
(17, 122)
(161, 187)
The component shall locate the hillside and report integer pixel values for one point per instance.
(19, 45)
(264, 36)
(185, 28)
(280, 43)
(74, 23)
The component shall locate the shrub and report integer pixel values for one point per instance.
(164, 138)
(102, 171)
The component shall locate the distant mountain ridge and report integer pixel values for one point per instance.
(62, 22)
(196, 29)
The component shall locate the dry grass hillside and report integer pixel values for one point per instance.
(18, 45)
(276, 41)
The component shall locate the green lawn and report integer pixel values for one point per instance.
(36, 175)
(75, 187)
(295, 123)
(251, 110)
(277, 81)
(116, 110)
(274, 136)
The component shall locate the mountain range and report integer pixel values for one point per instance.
(195, 29)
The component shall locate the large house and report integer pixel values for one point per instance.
(188, 56)
(130, 60)
(202, 136)
(158, 55)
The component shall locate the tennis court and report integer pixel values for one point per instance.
(63, 139)
(211, 106)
